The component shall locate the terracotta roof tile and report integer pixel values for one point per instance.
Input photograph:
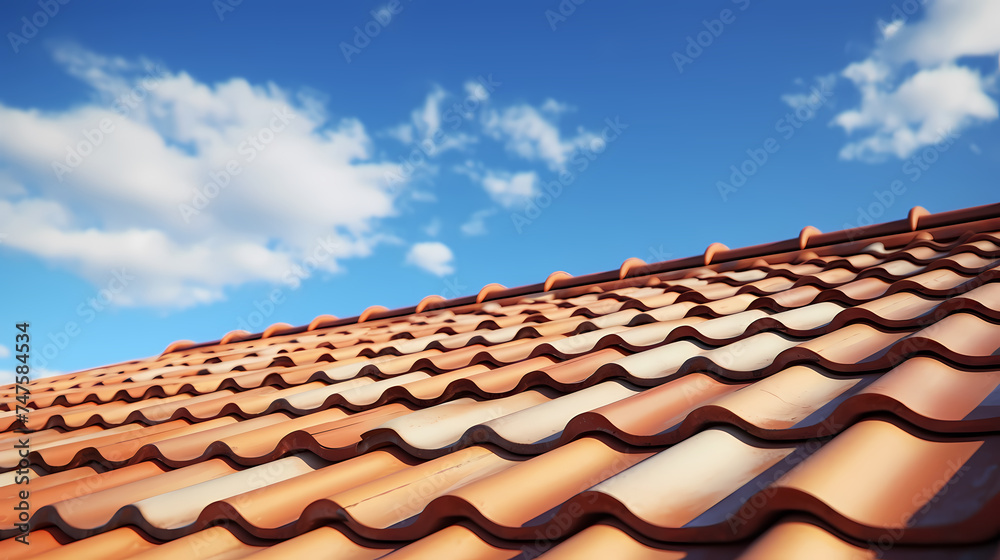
(830, 396)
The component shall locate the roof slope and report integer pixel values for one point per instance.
(834, 392)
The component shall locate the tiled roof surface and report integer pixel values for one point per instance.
(831, 396)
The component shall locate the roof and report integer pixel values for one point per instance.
(833, 392)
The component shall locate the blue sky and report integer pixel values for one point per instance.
(178, 170)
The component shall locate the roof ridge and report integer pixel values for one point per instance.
(918, 219)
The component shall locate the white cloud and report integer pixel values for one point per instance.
(307, 179)
(505, 188)
(951, 29)
(476, 225)
(919, 112)
(433, 256)
(555, 107)
(891, 28)
(529, 134)
(866, 72)
(4, 352)
(917, 86)
(511, 189)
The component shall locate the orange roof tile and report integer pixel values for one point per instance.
(834, 395)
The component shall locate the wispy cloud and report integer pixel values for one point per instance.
(532, 133)
(433, 228)
(425, 126)
(476, 225)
